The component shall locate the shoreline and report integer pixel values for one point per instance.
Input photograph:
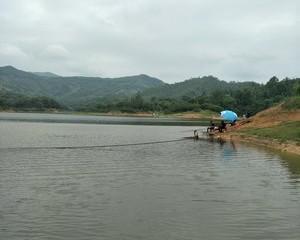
(284, 147)
(188, 116)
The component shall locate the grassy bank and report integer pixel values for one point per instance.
(283, 132)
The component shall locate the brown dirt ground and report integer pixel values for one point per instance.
(270, 117)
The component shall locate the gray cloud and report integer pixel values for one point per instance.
(173, 40)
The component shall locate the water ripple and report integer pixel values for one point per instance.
(171, 190)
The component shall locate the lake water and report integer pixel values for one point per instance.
(97, 187)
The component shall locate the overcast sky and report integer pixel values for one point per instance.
(173, 40)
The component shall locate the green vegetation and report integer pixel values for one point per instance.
(195, 87)
(137, 103)
(9, 100)
(292, 103)
(242, 98)
(288, 131)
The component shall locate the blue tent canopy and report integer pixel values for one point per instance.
(228, 115)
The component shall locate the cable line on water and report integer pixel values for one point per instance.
(94, 146)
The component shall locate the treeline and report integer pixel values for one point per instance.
(9, 100)
(250, 99)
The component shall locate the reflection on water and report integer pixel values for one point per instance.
(172, 190)
(292, 162)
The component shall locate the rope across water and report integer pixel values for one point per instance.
(95, 146)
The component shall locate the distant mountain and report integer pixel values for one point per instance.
(72, 90)
(45, 74)
(194, 87)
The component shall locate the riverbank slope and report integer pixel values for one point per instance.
(277, 127)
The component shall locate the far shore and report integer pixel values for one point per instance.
(197, 116)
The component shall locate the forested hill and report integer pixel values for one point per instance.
(207, 93)
(72, 90)
(195, 87)
(13, 101)
(144, 93)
